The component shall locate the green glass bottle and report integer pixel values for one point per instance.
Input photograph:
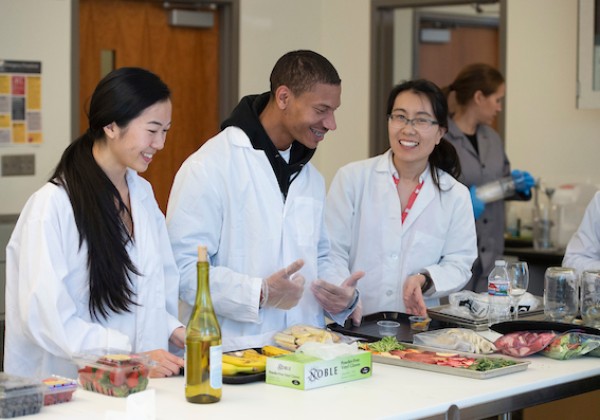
(203, 353)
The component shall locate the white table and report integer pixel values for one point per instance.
(392, 392)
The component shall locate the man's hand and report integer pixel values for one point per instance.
(284, 288)
(334, 299)
(412, 295)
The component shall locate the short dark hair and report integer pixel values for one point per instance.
(302, 69)
(444, 154)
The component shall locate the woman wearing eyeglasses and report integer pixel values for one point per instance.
(478, 92)
(401, 217)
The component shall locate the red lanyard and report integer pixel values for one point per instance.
(411, 199)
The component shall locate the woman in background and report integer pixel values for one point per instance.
(478, 93)
(401, 217)
(89, 263)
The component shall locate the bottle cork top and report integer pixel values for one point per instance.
(202, 254)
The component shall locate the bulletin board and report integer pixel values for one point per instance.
(20, 102)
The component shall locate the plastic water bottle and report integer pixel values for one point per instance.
(498, 297)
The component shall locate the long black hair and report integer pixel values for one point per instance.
(444, 155)
(119, 98)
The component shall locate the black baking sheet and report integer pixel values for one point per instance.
(369, 330)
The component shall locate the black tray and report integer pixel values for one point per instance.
(540, 325)
(244, 378)
(369, 330)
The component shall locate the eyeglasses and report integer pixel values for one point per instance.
(399, 121)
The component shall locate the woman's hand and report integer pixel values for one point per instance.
(412, 295)
(167, 364)
(178, 337)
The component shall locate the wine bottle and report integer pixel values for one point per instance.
(203, 353)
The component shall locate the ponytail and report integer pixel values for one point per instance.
(444, 157)
(98, 220)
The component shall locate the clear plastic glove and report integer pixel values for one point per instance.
(335, 299)
(524, 182)
(478, 205)
(356, 315)
(413, 297)
(284, 288)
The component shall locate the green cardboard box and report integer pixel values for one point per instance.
(306, 372)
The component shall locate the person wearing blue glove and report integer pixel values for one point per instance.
(477, 93)
(524, 182)
(478, 205)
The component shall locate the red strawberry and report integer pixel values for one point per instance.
(133, 380)
(117, 377)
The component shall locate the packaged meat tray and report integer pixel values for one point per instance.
(470, 365)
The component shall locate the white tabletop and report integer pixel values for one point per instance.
(392, 392)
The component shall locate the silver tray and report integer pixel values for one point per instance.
(467, 373)
(476, 324)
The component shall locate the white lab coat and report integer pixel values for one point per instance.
(226, 196)
(583, 250)
(363, 217)
(47, 292)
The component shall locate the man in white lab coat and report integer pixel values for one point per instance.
(583, 250)
(253, 198)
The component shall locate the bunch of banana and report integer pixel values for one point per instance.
(272, 351)
(295, 336)
(244, 361)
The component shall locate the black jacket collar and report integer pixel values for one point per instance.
(246, 117)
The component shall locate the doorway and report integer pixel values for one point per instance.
(190, 60)
(446, 43)
(393, 58)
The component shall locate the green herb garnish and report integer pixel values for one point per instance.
(484, 364)
(385, 344)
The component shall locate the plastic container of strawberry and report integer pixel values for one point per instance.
(58, 389)
(113, 372)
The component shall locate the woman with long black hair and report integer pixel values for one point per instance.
(89, 263)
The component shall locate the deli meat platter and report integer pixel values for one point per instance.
(429, 354)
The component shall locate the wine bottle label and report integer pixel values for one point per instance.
(216, 367)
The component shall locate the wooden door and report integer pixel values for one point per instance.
(187, 59)
(441, 62)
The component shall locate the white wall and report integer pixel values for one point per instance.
(545, 133)
(338, 29)
(35, 30)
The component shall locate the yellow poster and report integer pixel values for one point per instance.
(4, 121)
(18, 131)
(20, 102)
(34, 92)
(4, 84)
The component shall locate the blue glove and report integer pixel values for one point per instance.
(478, 205)
(524, 182)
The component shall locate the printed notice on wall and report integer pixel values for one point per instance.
(20, 102)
